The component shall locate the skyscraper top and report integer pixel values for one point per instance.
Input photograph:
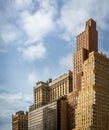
(90, 23)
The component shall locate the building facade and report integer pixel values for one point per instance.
(60, 86)
(52, 116)
(93, 101)
(46, 92)
(20, 121)
(86, 42)
(72, 105)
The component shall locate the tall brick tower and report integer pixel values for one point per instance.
(86, 42)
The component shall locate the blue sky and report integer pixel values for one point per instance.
(37, 40)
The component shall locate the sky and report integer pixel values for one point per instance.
(37, 41)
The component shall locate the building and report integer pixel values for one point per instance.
(72, 98)
(52, 116)
(41, 94)
(91, 80)
(50, 104)
(86, 42)
(60, 86)
(20, 121)
(46, 92)
(78, 100)
(93, 101)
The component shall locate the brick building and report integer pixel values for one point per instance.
(20, 121)
(86, 42)
(52, 97)
(79, 99)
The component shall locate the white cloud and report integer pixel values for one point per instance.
(37, 25)
(48, 5)
(71, 20)
(33, 52)
(23, 4)
(74, 13)
(36, 75)
(66, 62)
(8, 105)
(10, 33)
(70, 24)
(28, 20)
(32, 78)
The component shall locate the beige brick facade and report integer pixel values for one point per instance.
(51, 90)
(93, 101)
(20, 121)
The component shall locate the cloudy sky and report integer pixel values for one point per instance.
(37, 39)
